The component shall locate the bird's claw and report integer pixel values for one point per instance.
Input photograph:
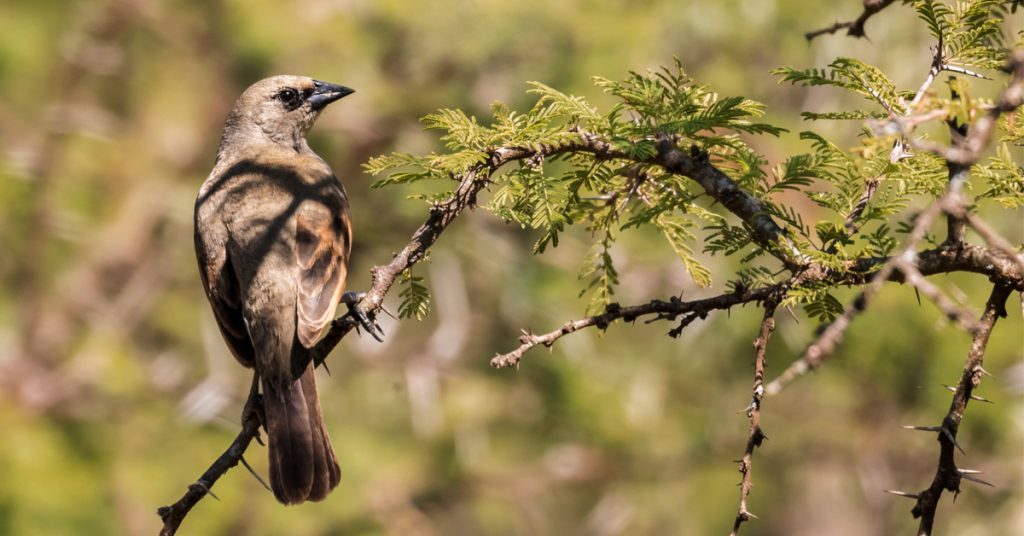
(351, 299)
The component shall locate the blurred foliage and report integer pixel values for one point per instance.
(117, 391)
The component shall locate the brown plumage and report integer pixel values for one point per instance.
(272, 236)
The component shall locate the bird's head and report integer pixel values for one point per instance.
(281, 109)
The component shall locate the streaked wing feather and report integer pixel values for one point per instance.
(321, 251)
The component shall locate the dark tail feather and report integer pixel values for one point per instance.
(302, 464)
(326, 472)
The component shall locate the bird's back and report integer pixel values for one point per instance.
(269, 211)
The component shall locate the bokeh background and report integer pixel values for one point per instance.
(116, 391)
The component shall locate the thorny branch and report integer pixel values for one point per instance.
(947, 474)
(757, 436)
(174, 514)
(899, 149)
(667, 310)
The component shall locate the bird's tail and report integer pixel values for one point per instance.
(302, 463)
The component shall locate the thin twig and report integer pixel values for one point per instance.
(991, 236)
(756, 436)
(961, 315)
(668, 310)
(958, 175)
(854, 28)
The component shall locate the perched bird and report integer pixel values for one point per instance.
(272, 237)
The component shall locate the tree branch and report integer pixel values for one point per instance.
(873, 271)
(947, 474)
(854, 28)
(768, 234)
(961, 315)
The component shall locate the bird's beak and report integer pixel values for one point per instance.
(325, 93)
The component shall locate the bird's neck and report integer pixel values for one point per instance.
(239, 138)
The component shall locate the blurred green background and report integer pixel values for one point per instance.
(116, 391)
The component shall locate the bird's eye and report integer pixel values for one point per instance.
(288, 96)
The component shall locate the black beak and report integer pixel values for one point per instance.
(325, 93)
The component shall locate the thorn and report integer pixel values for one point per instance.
(976, 480)
(973, 397)
(789, 309)
(922, 428)
(903, 494)
(918, 294)
(982, 370)
(388, 312)
(970, 471)
(323, 364)
(949, 436)
(750, 407)
(962, 70)
(204, 489)
(253, 473)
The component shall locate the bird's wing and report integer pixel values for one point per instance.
(222, 290)
(323, 237)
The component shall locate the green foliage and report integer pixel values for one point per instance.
(667, 101)
(853, 75)
(968, 30)
(816, 301)
(859, 191)
(678, 235)
(415, 297)
(604, 196)
(1005, 179)
(599, 268)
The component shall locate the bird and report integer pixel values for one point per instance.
(273, 237)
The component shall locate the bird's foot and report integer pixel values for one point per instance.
(351, 299)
